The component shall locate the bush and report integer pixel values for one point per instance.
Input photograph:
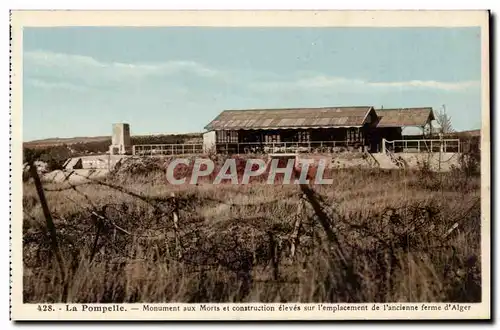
(54, 156)
(470, 159)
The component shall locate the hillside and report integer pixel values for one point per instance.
(52, 142)
(136, 139)
(55, 151)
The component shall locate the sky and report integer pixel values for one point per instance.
(77, 81)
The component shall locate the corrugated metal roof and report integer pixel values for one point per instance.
(290, 118)
(404, 117)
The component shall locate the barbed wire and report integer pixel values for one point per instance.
(322, 199)
(320, 211)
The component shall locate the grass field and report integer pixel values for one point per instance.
(391, 240)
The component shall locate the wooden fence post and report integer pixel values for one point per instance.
(310, 196)
(99, 225)
(274, 254)
(50, 224)
(175, 215)
(295, 234)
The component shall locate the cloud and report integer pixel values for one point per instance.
(319, 82)
(59, 66)
(51, 70)
(432, 84)
(55, 85)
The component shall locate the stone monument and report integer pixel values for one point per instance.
(120, 140)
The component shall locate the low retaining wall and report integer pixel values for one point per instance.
(75, 176)
(437, 161)
(347, 160)
(93, 162)
(97, 167)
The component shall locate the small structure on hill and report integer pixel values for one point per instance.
(120, 140)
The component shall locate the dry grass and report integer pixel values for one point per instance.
(235, 242)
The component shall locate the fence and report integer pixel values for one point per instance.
(285, 147)
(167, 149)
(448, 145)
(190, 249)
(445, 145)
(244, 148)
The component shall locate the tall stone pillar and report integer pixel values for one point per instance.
(120, 140)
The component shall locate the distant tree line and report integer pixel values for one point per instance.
(56, 155)
(167, 139)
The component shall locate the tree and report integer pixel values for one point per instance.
(444, 121)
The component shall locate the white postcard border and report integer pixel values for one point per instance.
(22, 19)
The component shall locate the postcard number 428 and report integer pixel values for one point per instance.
(45, 308)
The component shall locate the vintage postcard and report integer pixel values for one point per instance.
(250, 165)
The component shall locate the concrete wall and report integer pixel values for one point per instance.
(412, 160)
(73, 164)
(94, 162)
(102, 162)
(345, 160)
(75, 176)
(208, 141)
(444, 161)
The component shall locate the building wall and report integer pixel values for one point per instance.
(443, 162)
(350, 135)
(209, 141)
(227, 136)
(367, 137)
(374, 136)
(96, 163)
